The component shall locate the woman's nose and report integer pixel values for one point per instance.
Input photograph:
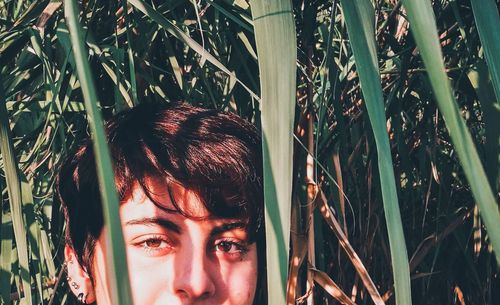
(193, 278)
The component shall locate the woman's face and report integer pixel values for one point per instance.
(177, 260)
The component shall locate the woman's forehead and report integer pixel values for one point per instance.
(160, 196)
(140, 209)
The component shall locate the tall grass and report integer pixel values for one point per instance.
(390, 108)
(420, 14)
(13, 181)
(116, 259)
(359, 18)
(275, 39)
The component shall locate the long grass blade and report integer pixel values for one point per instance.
(423, 28)
(488, 22)
(15, 198)
(33, 231)
(275, 36)
(360, 26)
(117, 261)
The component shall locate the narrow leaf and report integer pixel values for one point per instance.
(15, 197)
(360, 26)
(488, 22)
(423, 28)
(117, 261)
(275, 36)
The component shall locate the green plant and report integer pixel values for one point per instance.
(396, 109)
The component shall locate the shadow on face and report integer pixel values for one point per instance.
(174, 259)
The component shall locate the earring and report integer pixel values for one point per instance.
(73, 284)
(82, 298)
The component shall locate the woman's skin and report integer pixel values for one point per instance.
(173, 259)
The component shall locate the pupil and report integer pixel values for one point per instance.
(153, 243)
(225, 246)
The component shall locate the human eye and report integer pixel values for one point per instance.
(155, 245)
(231, 247)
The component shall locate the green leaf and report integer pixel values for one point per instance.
(359, 17)
(488, 22)
(15, 197)
(116, 259)
(275, 36)
(423, 28)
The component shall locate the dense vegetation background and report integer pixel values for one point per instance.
(205, 53)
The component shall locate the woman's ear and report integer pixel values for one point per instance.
(78, 279)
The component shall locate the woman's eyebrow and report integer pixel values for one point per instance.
(162, 222)
(227, 227)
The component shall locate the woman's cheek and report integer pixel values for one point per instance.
(148, 278)
(151, 278)
(241, 280)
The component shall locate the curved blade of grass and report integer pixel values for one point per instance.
(360, 27)
(275, 36)
(487, 23)
(117, 261)
(15, 197)
(423, 28)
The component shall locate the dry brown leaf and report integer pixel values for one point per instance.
(329, 285)
(344, 243)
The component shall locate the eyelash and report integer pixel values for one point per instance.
(241, 247)
(155, 250)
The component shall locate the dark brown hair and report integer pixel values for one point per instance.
(216, 154)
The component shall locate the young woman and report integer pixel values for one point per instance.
(191, 207)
